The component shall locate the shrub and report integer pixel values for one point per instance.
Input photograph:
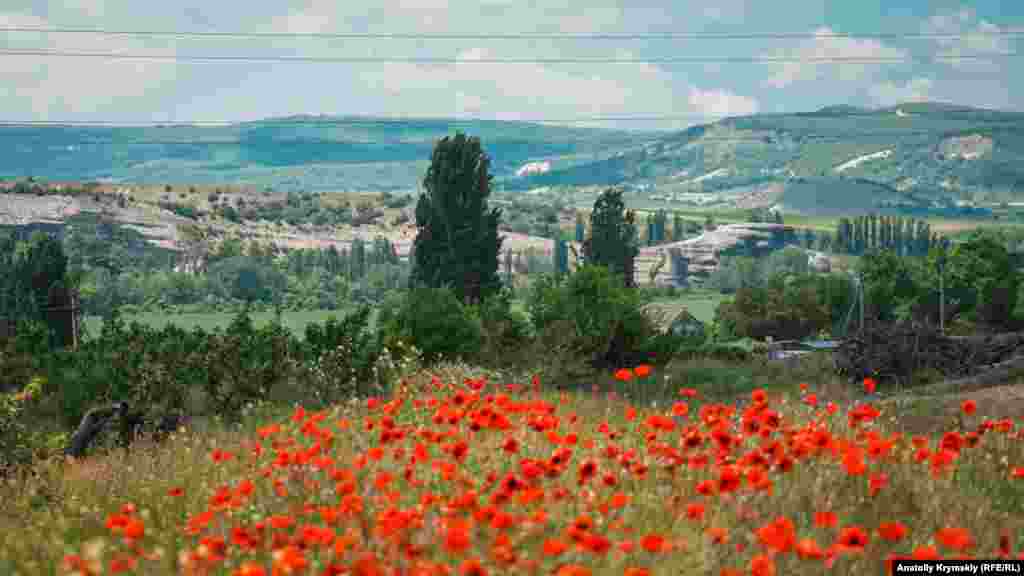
(591, 314)
(433, 320)
(506, 332)
(16, 437)
(343, 355)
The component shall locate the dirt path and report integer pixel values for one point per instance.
(937, 413)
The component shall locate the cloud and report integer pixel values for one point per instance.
(824, 46)
(54, 87)
(974, 36)
(719, 103)
(918, 89)
(721, 10)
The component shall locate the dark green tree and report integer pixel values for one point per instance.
(457, 242)
(613, 239)
(678, 228)
(357, 260)
(660, 219)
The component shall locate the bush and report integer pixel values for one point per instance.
(343, 354)
(506, 332)
(17, 440)
(434, 321)
(591, 314)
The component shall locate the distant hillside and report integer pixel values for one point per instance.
(294, 153)
(923, 151)
(916, 153)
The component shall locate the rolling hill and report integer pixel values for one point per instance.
(917, 154)
(293, 153)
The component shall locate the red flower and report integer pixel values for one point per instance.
(870, 385)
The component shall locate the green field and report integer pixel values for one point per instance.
(295, 321)
(701, 304)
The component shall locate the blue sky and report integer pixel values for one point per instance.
(35, 88)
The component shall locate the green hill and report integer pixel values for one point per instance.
(299, 152)
(924, 151)
(918, 153)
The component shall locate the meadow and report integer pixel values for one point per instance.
(650, 471)
(295, 320)
(701, 304)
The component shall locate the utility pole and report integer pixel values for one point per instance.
(941, 261)
(860, 284)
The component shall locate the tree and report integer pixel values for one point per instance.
(983, 266)
(613, 238)
(457, 242)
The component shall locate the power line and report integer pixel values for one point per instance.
(438, 60)
(384, 121)
(515, 36)
(324, 141)
(335, 121)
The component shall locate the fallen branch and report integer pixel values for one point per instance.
(91, 425)
(96, 419)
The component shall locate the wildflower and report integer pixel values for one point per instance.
(762, 565)
(642, 371)
(969, 407)
(870, 385)
(780, 535)
(653, 543)
(826, 519)
(958, 539)
(718, 535)
(892, 531)
(808, 549)
(852, 539)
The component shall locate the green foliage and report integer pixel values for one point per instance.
(613, 242)
(457, 242)
(790, 308)
(17, 438)
(246, 279)
(589, 314)
(984, 268)
(434, 321)
(506, 332)
(735, 272)
(344, 355)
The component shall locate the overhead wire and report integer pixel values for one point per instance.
(444, 60)
(515, 36)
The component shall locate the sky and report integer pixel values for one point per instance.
(88, 89)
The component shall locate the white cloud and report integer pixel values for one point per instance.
(725, 10)
(978, 38)
(803, 69)
(917, 89)
(54, 87)
(719, 103)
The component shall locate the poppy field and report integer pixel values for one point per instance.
(464, 475)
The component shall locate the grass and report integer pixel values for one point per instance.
(421, 480)
(295, 321)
